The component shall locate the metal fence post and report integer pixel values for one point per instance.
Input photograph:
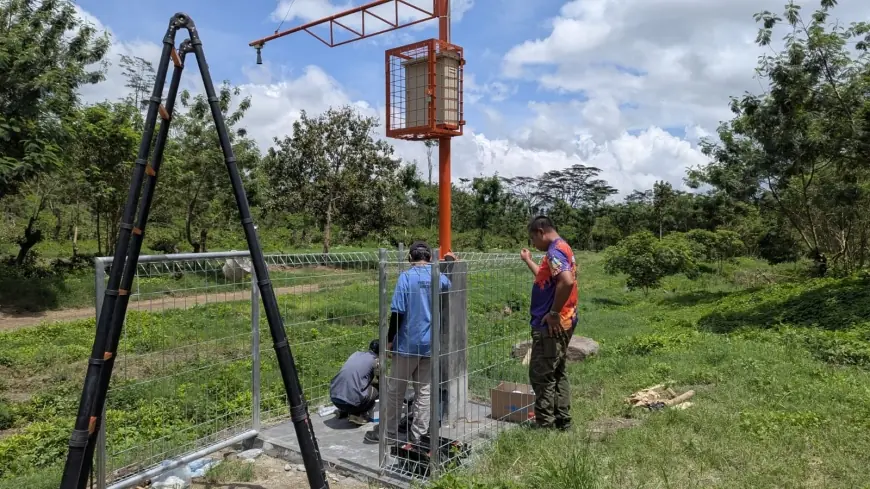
(383, 326)
(435, 389)
(100, 292)
(255, 352)
(402, 258)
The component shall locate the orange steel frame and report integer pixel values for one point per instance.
(432, 130)
(440, 10)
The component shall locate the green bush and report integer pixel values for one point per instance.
(647, 260)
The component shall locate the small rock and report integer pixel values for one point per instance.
(268, 446)
(300, 468)
(333, 477)
(288, 467)
(251, 454)
(578, 349)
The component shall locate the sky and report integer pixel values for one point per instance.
(627, 86)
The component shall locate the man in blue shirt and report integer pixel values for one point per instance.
(410, 341)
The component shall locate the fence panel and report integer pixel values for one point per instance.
(196, 368)
(491, 294)
(182, 379)
(330, 308)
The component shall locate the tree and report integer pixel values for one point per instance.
(719, 246)
(664, 199)
(42, 66)
(201, 183)
(805, 143)
(525, 190)
(101, 157)
(141, 78)
(491, 204)
(431, 144)
(334, 169)
(647, 260)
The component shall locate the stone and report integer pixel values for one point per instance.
(288, 467)
(300, 468)
(578, 350)
(250, 454)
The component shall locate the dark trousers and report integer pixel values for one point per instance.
(549, 378)
(365, 406)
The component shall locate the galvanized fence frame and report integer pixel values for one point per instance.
(382, 266)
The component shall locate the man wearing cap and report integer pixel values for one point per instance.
(354, 389)
(410, 342)
(553, 319)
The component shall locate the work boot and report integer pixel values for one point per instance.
(373, 436)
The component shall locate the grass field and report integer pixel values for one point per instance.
(779, 370)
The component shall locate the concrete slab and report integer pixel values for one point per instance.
(345, 451)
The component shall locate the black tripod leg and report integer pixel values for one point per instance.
(75, 472)
(136, 240)
(298, 409)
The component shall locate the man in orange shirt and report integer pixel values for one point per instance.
(553, 319)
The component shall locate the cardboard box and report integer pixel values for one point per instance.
(513, 402)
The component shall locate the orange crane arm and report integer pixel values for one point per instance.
(393, 21)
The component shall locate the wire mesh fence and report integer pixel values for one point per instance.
(196, 365)
(182, 377)
(477, 316)
(330, 308)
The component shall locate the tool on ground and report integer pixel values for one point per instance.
(129, 245)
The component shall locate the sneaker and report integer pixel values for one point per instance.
(372, 436)
(358, 420)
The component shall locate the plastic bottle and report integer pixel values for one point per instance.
(376, 412)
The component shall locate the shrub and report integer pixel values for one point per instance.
(647, 260)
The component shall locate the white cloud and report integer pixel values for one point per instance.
(677, 60)
(592, 132)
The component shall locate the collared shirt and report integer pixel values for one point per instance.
(559, 258)
(412, 299)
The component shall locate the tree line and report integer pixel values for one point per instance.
(788, 177)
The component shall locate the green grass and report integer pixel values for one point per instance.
(780, 401)
(779, 372)
(230, 471)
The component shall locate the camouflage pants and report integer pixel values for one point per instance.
(549, 379)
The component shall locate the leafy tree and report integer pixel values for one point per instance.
(42, 67)
(647, 260)
(719, 246)
(200, 180)
(104, 146)
(664, 200)
(805, 143)
(334, 169)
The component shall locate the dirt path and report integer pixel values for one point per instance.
(12, 321)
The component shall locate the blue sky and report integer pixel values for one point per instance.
(628, 86)
(227, 27)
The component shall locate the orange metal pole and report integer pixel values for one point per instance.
(444, 185)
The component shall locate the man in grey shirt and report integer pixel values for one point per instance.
(354, 389)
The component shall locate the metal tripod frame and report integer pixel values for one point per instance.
(129, 245)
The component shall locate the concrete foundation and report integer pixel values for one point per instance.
(344, 450)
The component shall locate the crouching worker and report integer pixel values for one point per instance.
(354, 389)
